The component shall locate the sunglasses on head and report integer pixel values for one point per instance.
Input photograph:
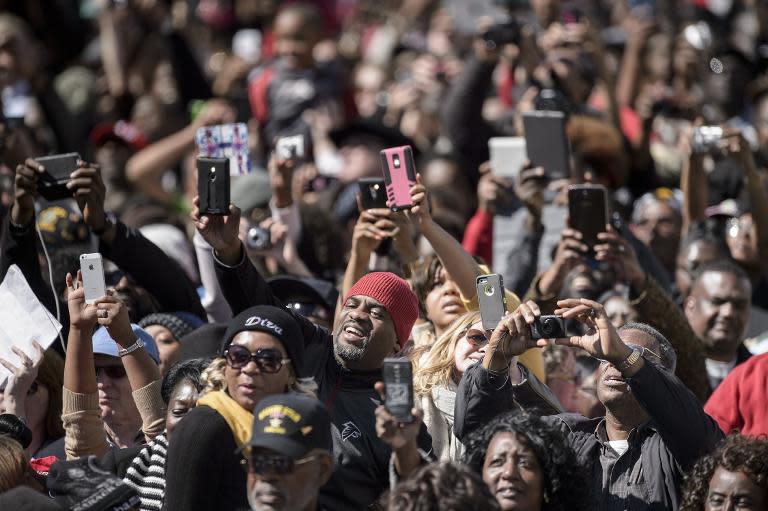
(276, 464)
(268, 360)
(113, 372)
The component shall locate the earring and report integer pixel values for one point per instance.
(546, 498)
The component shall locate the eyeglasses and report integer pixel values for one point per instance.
(112, 372)
(643, 352)
(266, 463)
(268, 360)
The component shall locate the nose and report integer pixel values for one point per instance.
(102, 380)
(509, 470)
(450, 287)
(727, 309)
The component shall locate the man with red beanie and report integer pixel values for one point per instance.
(375, 321)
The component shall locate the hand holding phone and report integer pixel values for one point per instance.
(588, 212)
(492, 299)
(399, 175)
(398, 388)
(213, 185)
(52, 183)
(92, 271)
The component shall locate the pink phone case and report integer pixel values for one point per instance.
(399, 176)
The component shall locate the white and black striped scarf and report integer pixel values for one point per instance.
(146, 473)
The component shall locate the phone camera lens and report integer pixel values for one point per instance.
(90, 267)
(488, 289)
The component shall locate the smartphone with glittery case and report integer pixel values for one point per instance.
(399, 176)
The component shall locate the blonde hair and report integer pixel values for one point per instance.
(435, 365)
(13, 464)
(213, 379)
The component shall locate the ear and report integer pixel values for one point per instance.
(326, 468)
(689, 304)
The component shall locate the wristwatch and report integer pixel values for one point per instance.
(130, 349)
(630, 361)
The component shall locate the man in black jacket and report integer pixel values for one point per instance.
(375, 321)
(654, 428)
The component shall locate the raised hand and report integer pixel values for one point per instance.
(23, 208)
(512, 337)
(393, 433)
(21, 379)
(620, 254)
(601, 340)
(89, 192)
(570, 252)
(372, 227)
(529, 187)
(420, 213)
(113, 314)
(82, 316)
(219, 231)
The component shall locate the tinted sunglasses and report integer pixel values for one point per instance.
(281, 465)
(268, 360)
(113, 372)
(476, 339)
(643, 352)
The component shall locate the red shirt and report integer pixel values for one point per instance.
(740, 402)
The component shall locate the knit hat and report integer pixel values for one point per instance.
(179, 323)
(273, 321)
(395, 295)
(83, 485)
(104, 344)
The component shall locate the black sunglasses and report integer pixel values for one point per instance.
(281, 465)
(113, 372)
(268, 360)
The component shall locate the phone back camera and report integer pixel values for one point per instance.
(396, 161)
(90, 267)
(489, 290)
(212, 175)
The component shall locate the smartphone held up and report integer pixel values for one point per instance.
(399, 176)
(398, 388)
(492, 299)
(213, 185)
(92, 271)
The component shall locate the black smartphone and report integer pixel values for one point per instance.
(213, 185)
(492, 299)
(373, 192)
(588, 212)
(546, 143)
(398, 388)
(52, 184)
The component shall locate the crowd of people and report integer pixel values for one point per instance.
(235, 361)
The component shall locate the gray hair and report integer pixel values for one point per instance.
(666, 350)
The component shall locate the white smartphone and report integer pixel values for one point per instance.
(92, 269)
(508, 155)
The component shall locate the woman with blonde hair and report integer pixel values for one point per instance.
(261, 356)
(437, 372)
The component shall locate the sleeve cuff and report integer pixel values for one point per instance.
(239, 263)
(72, 402)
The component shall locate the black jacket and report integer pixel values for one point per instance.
(361, 470)
(661, 450)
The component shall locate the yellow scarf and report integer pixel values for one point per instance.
(240, 420)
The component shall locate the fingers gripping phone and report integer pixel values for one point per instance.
(588, 212)
(398, 388)
(52, 184)
(492, 300)
(399, 176)
(213, 185)
(373, 192)
(92, 271)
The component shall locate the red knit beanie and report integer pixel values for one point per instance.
(395, 295)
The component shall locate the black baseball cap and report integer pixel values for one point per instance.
(290, 424)
(304, 289)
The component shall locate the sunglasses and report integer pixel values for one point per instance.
(476, 339)
(112, 372)
(280, 465)
(268, 360)
(643, 351)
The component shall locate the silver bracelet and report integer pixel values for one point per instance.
(130, 349)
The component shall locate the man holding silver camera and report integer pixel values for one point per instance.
(654, 428)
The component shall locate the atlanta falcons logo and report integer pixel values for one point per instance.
(350, 431)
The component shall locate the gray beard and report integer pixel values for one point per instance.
(347, 353)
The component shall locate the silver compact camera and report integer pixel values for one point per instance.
(258, 238)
